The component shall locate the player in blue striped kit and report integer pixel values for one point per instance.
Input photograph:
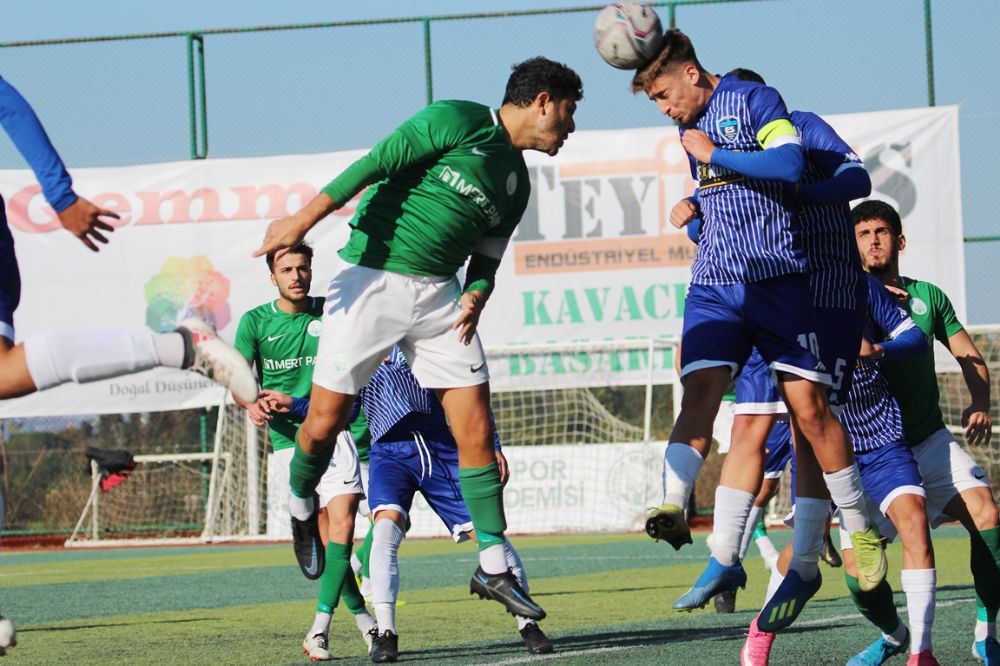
(892, 485)
(748, 284)
(413, 449)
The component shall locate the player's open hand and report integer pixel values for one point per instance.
(281, 234)
(504, 470)
(978, 425)
(83, 220)
(258, 416)
(698, 145)
(472, 305)
(683, 212)
(900, 295)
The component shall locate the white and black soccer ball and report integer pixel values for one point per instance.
(627, 34)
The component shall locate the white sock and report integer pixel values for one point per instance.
(985, 630)
(920, 586)
(300, 507)
(896, 637)
(517, 568)
(169, 349)
(321, 625)
(57, 357)
(493, 559)
(384, 567)
(752, 519)
(772, 583)
(732, 506)
(355, 564)
(845, 491)
(681, 464)
(364, 621)
(767, 551)
(811, 517)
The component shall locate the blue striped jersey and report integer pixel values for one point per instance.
(871, 415)
(396, 404)
(749, 231)
(828, 231)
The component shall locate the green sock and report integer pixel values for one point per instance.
(306, 469)
(984, 560)
(876, 606)
(483, 495)
(364, 552)
(338, 567)
(352, 595)
(759, 530)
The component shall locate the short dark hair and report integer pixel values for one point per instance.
(302, 247)
(873, 209)
(745, 74)
(537, 75)
(675, 49)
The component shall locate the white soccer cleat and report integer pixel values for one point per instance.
(8, 637)
(317, 648)
(206, 354)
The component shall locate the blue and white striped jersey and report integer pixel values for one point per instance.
(749, 231)
(827, 230)
(396, 404)
(871, 415)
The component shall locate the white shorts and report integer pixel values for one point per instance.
(948, 470)
(722, 429)
(342, 477)
(368, 311)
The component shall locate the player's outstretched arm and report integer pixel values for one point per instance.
(83, 219)
(288, 231)
(976, 417)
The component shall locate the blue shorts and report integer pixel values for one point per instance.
(722, 323)
(888, 472)
(839, 337)
(779, 450)
(428, 463)
(10, 278)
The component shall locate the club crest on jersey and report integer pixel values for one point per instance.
(729, 127)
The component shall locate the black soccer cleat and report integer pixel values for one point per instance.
(829, 553)
(535, 639)
(308, 545)
(667, 523)
(385, 647)
(503, 587)
(725, 602)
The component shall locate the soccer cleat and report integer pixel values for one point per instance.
(869, 554)
(669, 524)
(308, 545)
(925, 658)
(725, 602)
(714, 579)
(385, 647)
(879, 652)
(8, 636)
(787, 602)
(206, 354)
(503, 587)
(535, 639)
(757, 646)
(317, 648)
(370, 637)
(829, 553)
(987, 651)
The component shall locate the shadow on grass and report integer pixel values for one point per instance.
(106, 625)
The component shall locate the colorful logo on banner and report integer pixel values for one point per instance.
(187, 288)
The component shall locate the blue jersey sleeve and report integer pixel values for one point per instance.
(845, 175)
(890, 317)
(25, 130)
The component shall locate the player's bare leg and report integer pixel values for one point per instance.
(467, 409)
(690, 440)
(328, 414)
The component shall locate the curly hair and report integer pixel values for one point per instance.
(538, 74)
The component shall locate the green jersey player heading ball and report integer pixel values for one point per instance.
(448, 185)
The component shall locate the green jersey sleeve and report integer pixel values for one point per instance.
(946, 323)
(246, 337)
(433, 131)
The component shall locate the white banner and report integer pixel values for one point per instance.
(593, 259)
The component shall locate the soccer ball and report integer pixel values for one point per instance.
(627, 35)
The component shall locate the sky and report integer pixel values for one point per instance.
(323, 90)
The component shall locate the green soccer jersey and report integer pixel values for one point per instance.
(283, 347)
(445, 185)
(913, 381)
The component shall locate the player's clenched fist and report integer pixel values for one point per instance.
(682, 213)
(698, 145)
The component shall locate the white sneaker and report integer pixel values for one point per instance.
(206, 354)
(316, 647)
(8, 637)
